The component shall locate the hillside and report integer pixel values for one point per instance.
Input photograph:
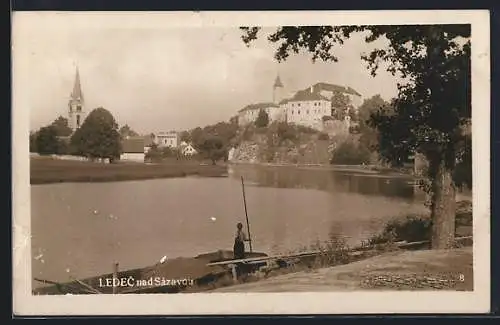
(282, 144)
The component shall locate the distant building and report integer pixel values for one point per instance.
(328, 90)
(313, 107)
(133, 149)
(76, 105)
(187, 149)
(249, 113)
(167, 139)
(307, 108)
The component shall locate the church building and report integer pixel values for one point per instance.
(76, 105)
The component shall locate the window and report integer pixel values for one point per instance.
(78, 108)
(298, 104)
(307, 111)
(78, 121)
(298, 112)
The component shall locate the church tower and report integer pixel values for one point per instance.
(277, 90)
(76, 105)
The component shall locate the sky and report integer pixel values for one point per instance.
(163, 77)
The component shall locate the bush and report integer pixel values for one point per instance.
(286, 132)
(323, 136)
(411, 229)
(306, 129)
(349, 153)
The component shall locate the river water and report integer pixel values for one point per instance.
(80, 229)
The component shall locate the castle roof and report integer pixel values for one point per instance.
(304, 95)
(258, 106)
(334, 88)
(77, 93)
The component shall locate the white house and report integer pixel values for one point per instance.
(188, 150)
(167, 139)
(307, 108)
(133, 149)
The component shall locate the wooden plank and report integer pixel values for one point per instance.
(263, 259)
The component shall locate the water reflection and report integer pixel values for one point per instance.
(326, 180)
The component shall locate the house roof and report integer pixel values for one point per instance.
(133, 145)
(332, 87)
(257, 106)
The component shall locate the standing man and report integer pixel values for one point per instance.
(239, 242)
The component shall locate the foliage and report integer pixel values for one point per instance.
(349, 153)
(208, 139)
(340, 105)
(33, 141)
(98, 137)
(185, 136)
(369, 135)
(286, 132)
(323, 136)
(431, 107)
(61, 127)
(126, 131)
(413, 228)
(213, 148)
(154, 154)
(333, 251)
(46, 141)
(463, 171)
(157, 154)
(262, 120)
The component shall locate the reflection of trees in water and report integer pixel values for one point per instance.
(325, 180)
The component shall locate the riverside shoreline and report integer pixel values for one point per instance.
(45, 170)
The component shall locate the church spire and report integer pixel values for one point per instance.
(277, 82)
(77, 93)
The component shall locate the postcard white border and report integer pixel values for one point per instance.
(360, 302)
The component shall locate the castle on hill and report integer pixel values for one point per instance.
(314, 107)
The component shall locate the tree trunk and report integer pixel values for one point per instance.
(443, 208)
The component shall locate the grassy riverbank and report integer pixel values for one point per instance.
(396, 270)
(45, 170)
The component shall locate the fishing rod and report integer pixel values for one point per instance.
(246, 213)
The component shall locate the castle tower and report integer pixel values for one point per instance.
(277, 90)
(76, 105)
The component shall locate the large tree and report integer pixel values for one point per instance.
(369, 135)
(432, 105)
(262, 120)
(46, 141)
(62, 127)
(213, 148)
(126, 131)
(98, 137)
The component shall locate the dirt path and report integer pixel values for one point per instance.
(408, 270)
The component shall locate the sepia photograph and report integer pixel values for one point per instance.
(250, 162)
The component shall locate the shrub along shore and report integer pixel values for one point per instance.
(45, 170)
